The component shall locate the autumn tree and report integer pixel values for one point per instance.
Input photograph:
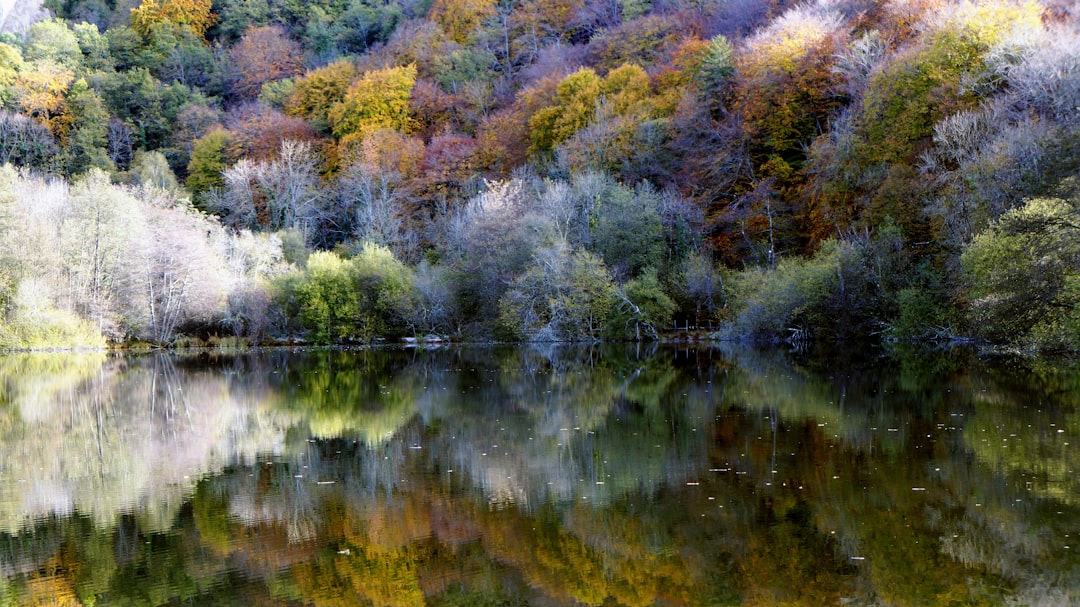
(97, 242)
(317, 91)
(784, 88)
(378, 100)
(51, 40)
(485, 242)
(458, 18)
(194, 14)
(175, 53)
(41, 93)
(263, 54)
(575, 106)
(257, 131)
(183, 279)
(371, 198)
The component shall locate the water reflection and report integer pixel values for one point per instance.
(480, 476)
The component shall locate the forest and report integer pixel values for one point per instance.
(344, 171)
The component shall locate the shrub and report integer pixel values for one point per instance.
(800, 296)
(35, 323)
(1024, 276)
(352, 299)
(563, 296)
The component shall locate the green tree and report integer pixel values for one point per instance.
(563, 296)
(52, 40)
(384, 287)
(1024, 275)
(628, 232)
(89, 137)
(329, 304)
(208, 161)
(354, 299)
(640, 308)
(151, 170)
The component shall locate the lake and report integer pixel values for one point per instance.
(641, 475)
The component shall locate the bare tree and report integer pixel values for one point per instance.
(370, 198)
(284, 193)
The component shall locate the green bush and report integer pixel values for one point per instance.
(1024, 276)
(352, 299)
(800, 296)
(643, 308)
(48, 329)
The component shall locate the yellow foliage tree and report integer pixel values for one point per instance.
(458, 18)
(378, 100)
(318, 90)
(575, 107)
(194, 14)
(42, 94)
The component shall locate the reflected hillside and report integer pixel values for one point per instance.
(538, 476)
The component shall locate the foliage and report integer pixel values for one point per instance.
(458, 18)
(353, 299)
(25, 142)
(263, 54)
(1023, 275)
(628, 232)
(662, 135)
(486, 242)
(641, 309)
(798, 297)
(207, 163)
(563, 295)
(717, 66)
(34, 322)
(193, 14)
(318, 91)
(379, 99)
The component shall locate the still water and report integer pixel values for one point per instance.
(550, 476)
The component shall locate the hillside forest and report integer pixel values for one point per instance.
(340, 171)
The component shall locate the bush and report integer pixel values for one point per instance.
(562, 296)
(1024, 276)
(35, 323)
(352, 299)
(825, 294)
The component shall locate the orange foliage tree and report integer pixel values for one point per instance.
(263, 54)
(260, 130)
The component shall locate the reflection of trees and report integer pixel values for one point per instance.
(343, 393)
(881, 458)
(372, 477)
(106, 436)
